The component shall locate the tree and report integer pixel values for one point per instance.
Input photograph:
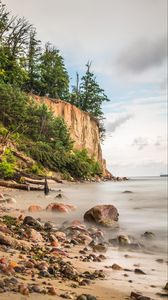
(91, 95)
(54, 80)
(32, 64)
(75, 94)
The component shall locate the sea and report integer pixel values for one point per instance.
(141, 203)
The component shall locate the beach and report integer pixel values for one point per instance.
(142, 208)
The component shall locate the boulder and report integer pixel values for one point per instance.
(106, 215)
(34, 208)
(60, 207)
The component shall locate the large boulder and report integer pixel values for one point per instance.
(105, 215)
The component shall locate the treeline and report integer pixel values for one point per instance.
(28, 68)
(25, 64)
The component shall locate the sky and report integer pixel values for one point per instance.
(126, 40)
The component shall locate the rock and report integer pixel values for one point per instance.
(136, 296)
(60, 207)
(61, 236)
(14, 243)
(166, 286)
(127, 192)
(99, 248)
(116, 267)
(28, 220)
(149, 235)
(10, 200)
(48, 226)
(35, 236)
(52, 291)
(34, 208)
(139, 271)
(86, 297)
(123, 240)
(106, 215)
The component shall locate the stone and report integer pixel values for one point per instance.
(28, 220)
(136, 296)
(139, 271)
(149, 235)
(105, 215)
(34, 208)
(35, 236)
(123, 240)
(52, 291)
(14, 243)
(166, 286)
(116, 267)
(127, 192)
(60, 207)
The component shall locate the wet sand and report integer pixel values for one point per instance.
(118, 284)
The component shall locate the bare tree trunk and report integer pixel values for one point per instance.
(14, 185)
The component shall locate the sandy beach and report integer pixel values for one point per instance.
(116, 283)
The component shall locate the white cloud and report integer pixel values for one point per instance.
(146, 131)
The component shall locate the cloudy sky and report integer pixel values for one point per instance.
(126, 42)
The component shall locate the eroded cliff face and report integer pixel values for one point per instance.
(83, 127)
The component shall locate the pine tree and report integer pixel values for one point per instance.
(54, 76)
(91, 95)
(32, 65)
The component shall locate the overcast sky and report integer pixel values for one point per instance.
(126, 42)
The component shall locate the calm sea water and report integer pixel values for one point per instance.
(145, 209)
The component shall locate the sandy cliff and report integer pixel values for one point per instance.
(83, 127)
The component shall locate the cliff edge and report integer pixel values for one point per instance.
(82, 126)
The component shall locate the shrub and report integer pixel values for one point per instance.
(6, 170)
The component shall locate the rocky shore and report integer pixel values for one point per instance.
(73, 260)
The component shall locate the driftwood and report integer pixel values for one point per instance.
(19, 186)
(37, 177)
(33, 181)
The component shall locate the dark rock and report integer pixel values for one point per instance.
(149, 235)
(136, 296)
(139, 271)
(28, 220)
(127, 192)
(166, 286)
(106, 215)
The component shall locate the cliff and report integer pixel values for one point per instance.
(83, 127)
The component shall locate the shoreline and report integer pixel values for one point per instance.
(117, 284)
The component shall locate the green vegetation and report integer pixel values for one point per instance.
(41, 136)
(27, 68)
(7, 164)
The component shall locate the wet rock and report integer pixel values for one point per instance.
(139, 271)
(28, 220)
(166, 287)
(123, 240)
(105, 215)
(136, 296)
(148, 235)
(116, 267)
(48, 226)
(160, 260)
(60, 207)
(99, 248)
(127, 192)
(34, 208)
(86, 297)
